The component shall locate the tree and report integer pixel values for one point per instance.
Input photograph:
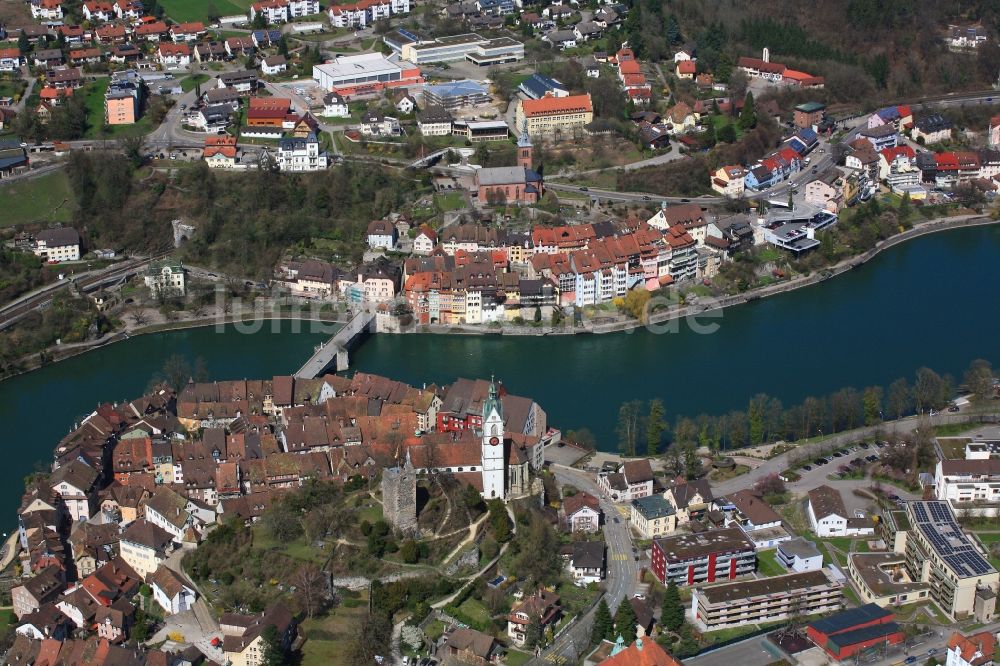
(769, 484)
(708, 137)
(748, 116)
(727, 133)
(656, 425)
(872, 400)
(499, 521)
(672, 615)
(538, 315)
(177, 372)
(409, 551)
(692, 463)
(371, 640)
(930, 390)
(272, 651)
(978, 379)
(625, 620)
(673, 31)
(23, 45)
(283, 45)
(604, 624)
(900, 399)
(533, 634)
(628, 426)
(310, 584)
(259, 22)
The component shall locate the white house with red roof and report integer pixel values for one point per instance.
(47, 10)
(98, 11)
(975, 650)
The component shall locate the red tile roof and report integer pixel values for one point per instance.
(557, 105)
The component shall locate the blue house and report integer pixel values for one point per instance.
(760, 177)
(537, 86)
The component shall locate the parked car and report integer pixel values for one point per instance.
(807, 468)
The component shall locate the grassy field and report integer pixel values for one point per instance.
(517, 658)
(988, 539)
(188, 83)
(37, 199)
(450, 201)
(475, 611)
(768, 564)
(94, 101)
(327, 637)
(197, 10)
(12, 87)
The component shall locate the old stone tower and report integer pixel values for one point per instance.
(399, 497)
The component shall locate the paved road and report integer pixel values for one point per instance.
(622, 571)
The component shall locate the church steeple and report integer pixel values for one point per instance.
(524, 147)
(492, 402)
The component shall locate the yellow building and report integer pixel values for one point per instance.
(243, 643)
(653, 516)
(551, 115)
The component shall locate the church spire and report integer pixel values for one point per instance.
(492, 402)
(525, 151)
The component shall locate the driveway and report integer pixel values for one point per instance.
(193, 632)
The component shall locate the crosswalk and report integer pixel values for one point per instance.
(619, 557)
(555, 659)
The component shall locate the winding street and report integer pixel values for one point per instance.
(622, 573)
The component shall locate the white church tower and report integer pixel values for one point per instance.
(494, 460)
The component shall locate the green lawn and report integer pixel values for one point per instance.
(474, 610)
(517, 658)
(12, 87)
(768, 564)
(450, 201)
(93, 99)
(189, 83)
(721, 121)
(988, 539)
(197, 10)
(47, 198)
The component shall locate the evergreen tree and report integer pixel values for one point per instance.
(656, 425)
(23, 45)
(532, 635)
(688, 645)
(672, 615)
(673, 30)
(625, 621)
(692, 463)
(904, 208)
(604, 624)
(272, 653)
(708, 137)
(748, 116)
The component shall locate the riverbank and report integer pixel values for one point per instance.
(710, 305)
(58, 353)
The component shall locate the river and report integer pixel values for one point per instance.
(931, 301)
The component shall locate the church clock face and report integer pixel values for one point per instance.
(494, 441)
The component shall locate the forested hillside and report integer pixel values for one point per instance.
(868, 50)
(245, 221)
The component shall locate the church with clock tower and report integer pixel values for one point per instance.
(494, 449)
